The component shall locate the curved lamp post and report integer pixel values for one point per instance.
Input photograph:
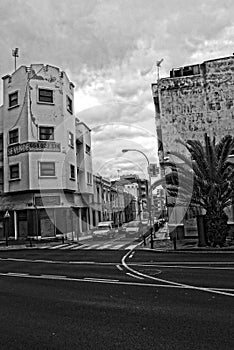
(150, 191)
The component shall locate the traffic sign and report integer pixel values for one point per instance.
(153, 170)
(7, 215)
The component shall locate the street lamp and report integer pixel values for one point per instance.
(150, 191)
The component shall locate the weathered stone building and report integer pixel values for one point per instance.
(194, 100)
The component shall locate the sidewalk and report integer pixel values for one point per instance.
(185, 245)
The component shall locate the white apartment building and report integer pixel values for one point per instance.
(46, 178)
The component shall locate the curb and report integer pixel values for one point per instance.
(179, 251)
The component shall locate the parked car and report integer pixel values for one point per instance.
(133, 229)
(104, 229)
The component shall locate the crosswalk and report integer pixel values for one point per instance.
(99, 246)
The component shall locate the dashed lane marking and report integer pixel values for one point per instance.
(119, 267)
(100, 279)
(134, 276)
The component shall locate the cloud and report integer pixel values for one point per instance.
(108, 140)
(109, 49)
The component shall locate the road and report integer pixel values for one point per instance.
(107, 299)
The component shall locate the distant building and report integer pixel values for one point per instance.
(46, 178)
(139, 189)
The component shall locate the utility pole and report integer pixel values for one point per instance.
(15, 53)
(158, 64)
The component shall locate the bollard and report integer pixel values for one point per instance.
(151, 238)
(174, 242)
(62, 239)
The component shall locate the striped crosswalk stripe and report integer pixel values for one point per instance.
(117, 246)
(69, 246)
(92, 246)
(80, 247)
(131, 246)
(104, 246)
(58, 246)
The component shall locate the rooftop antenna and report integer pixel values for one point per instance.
(15, 53)
(158, 64)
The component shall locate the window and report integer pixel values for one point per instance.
(46, 133)
(14, 172)
(13, 99)
(71, 139)
(87, 149)
(45, 96)
(72, 172)
(47, 169)
(89, 178)
(69, 104)
(14, 136)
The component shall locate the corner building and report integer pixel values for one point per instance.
(46, 176)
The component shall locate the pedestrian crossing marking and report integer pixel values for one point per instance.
(105, 246)
(69, 246)
(131, 246)
(99, 246)
(92, 246)
(117, 246)
(80, 247)
(58, 246)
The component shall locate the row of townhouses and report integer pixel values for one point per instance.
(46, 178)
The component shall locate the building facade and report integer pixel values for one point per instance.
(46, 177)
(139, 188)
(192, 101)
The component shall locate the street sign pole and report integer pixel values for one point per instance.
(6, 226)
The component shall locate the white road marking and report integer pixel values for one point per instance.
(134, 276)
(92, 246)
(131, 246)
(100, 279)
(142, 284)
(187, 286)
(17, 274)
(80, 247)
(68, 247)
(131, 255)
(195, 267)
(119, 267)
(104, 246)
(117, 246)
(53, 276)
(58, 246)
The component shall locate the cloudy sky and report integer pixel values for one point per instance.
(109, 49)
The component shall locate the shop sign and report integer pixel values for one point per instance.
(40, 146)
(45, 201)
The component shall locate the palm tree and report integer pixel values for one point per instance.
(212, 182)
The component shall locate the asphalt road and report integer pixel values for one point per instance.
(103, 300)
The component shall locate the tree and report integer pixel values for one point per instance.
(207, 180)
